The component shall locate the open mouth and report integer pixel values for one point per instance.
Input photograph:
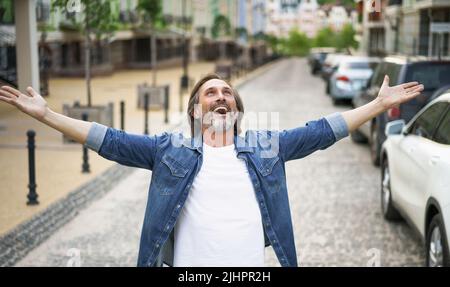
(221, 110)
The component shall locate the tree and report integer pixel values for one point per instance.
(152, 16)
(297, 44)
(326, 37)
(346, 38)
(99, 21)
(221, 27)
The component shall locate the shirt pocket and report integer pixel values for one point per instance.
(270, 176)
(171, 175)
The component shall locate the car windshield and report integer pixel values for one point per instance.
(431, 75)
(360, 65)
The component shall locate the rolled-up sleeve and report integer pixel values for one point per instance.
(338, 125)
(96, 136)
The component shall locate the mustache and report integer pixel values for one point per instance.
(220, 104)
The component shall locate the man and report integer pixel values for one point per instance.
(216, 198)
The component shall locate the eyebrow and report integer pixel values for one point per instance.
(214, 88)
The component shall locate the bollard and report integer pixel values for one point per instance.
(122, 115)
(32, 195)
(146, 103)
(85, 168)
(166, 104)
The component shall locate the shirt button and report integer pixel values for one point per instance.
(167, 227)
(157, 245)
(178, 206)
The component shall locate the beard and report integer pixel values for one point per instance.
(220, 122)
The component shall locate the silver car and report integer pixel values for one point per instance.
(350, 77)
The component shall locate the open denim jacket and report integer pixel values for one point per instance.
(175, 161)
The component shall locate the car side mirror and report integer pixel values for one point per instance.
(394, 127)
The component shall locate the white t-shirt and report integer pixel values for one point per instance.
(220, 223)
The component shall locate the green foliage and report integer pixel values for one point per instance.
(241, 32)
(98, 16)
(6, 11)
(221, 27)
(152, 10)
(346, 38)
(350, 3)
(325, 38)
(298, 44)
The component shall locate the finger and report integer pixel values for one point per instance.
(386, 80)
(415, 89)
(7, 94)
(11, 90)
(32, 92)
(7, 100)
(409, 84)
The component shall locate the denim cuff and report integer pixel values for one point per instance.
(338, 125)
(95, 136)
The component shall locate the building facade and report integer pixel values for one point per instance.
(306, 16)
(409, 27)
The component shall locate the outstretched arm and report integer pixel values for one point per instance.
(32, 104)
(387, 98)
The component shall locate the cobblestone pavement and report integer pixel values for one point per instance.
(334, 196)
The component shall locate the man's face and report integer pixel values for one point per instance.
(218, 104)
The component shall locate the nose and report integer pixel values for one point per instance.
(221, 96)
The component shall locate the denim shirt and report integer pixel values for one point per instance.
(175, 161)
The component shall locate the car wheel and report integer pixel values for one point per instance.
(374, 143)
(387, 207)
(437, 245)
(358, 137)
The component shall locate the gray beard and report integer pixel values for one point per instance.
(221, 125)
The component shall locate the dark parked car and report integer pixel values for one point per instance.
(317, 57)
(433, 74)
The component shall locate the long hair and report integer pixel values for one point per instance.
(195, 97)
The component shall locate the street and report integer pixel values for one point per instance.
(334, 196)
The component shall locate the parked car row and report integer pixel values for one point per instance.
(411, 142)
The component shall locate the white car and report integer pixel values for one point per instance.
(415, 176)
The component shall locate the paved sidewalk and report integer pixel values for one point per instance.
(104, 234)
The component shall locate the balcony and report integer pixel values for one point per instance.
(423, 4)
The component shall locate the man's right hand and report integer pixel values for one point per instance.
(34, 105)
(30, 102)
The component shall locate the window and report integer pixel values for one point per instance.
(360, 65)
(443, 132)
(393, 70)
(425, 124)
(378, 75)
(431, 75)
